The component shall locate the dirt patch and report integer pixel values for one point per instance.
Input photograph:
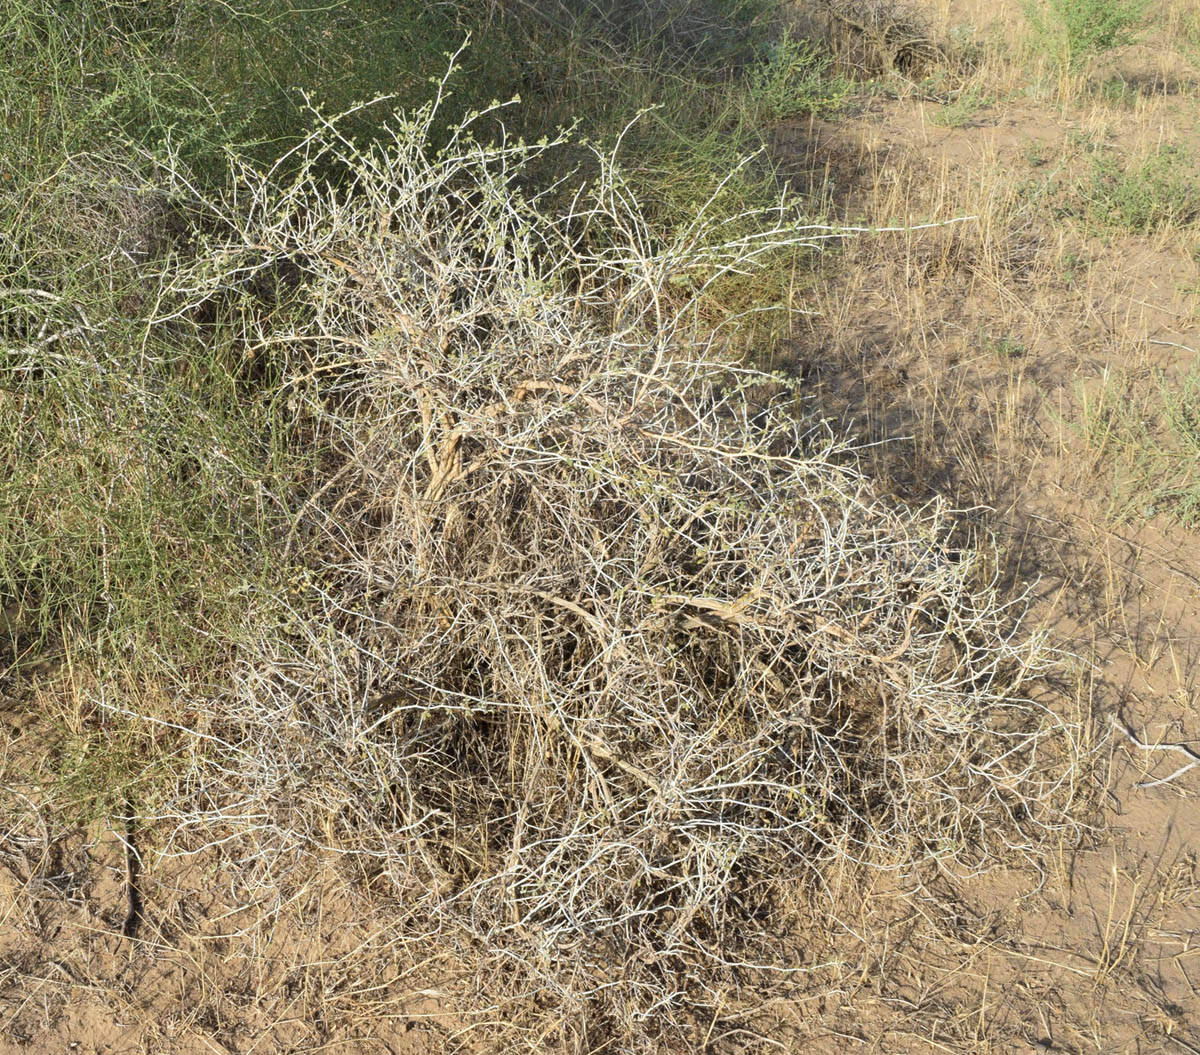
(968, 352)
(307, 965)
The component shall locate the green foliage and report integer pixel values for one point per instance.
(203, 78)
(1149, 444)
(1073, 32)
(1145, 196)
(129, 513)
(793, 78)
(1005, 346)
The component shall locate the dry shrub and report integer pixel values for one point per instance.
(877, 36)
(596, 671)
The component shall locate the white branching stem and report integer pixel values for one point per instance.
(597, 659)
(1183, 749)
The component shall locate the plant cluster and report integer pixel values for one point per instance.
(402, 498)
(1142, 196)
(794, 79)
(1073, 32)
(1147, 446)
(599, 661)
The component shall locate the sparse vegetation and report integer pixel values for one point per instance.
(1143, 196)
(1074, 32)
(1147, 445)
(961, 109)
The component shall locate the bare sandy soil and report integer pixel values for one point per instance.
(977, 347)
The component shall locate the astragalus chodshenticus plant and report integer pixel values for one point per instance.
(600, 667)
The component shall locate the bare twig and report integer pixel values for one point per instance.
(1181, 748)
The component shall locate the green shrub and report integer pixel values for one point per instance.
(203, 78)
(1073, 32)
(793, 78)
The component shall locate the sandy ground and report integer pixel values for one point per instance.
(977, 349)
